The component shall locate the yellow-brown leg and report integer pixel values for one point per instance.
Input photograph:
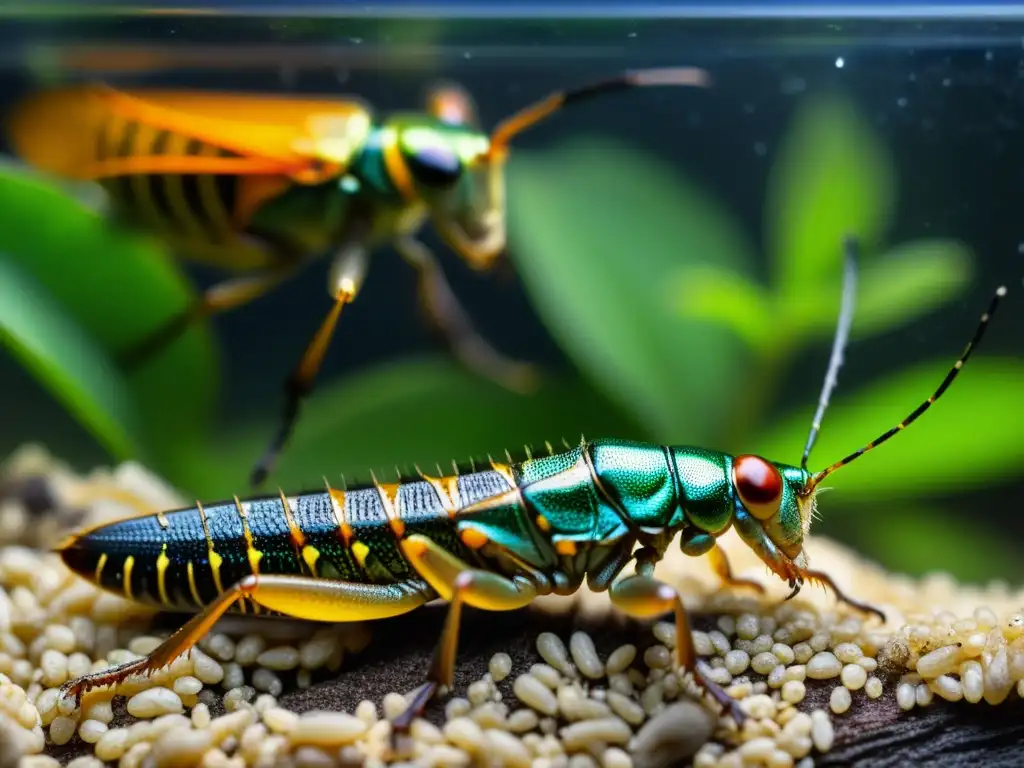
(224, 296)
(347, 273)
(825, 580)
(299, 597)
(458, 583)
(450, 318)
(642, 596)
(720, 564)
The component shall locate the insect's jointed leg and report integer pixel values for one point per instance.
(458, 583)
(347, 273)
(299, 597)
(642, 596)
(720, 564)
(451, 319)
(825, 580)
(226, 295)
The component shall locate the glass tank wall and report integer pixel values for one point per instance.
(673, 262)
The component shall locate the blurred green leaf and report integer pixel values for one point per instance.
(598, 230)
(908, 281)
(729, 299)
(970, 438)
(66, 361)
(117, 286)
(896, 287)
(832, 177)
(420, 410)
(952, 542)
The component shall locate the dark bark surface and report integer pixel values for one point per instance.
(873, 733)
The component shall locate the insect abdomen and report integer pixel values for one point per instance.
(185, 558)
(195, 206)
(129, 557)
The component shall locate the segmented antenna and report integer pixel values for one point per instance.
(839, 341)
(953, 372)
(541, 110)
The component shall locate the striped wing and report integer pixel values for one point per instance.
(94, 132)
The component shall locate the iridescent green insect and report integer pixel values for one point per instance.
(493, 537)
(262, 185)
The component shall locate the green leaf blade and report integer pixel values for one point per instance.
(715, 295)
(67, 362)
(896, 287)
(598, 231)
(908, 281)
(833, 177)
(117, 286)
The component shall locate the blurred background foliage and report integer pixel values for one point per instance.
(677, 328)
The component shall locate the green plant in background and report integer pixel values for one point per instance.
(649, 286)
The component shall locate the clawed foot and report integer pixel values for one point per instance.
(826, 581)
(78, 687)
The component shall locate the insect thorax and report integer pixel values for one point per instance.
(585, 508)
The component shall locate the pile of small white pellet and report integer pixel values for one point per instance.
(569, 708)
(55, 626)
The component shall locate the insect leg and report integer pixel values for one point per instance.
(825, 580)
(347, 272)
(459, 583)
(296, 596)
(451, 319)
(720, 564)
(224, 296)
(642, 596)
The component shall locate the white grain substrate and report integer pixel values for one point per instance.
(54, 626)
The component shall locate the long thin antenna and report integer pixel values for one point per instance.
(978, 333)
(839, 341)
(541, 110)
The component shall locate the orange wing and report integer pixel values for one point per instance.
(91, 132)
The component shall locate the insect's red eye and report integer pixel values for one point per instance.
(759, 485)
